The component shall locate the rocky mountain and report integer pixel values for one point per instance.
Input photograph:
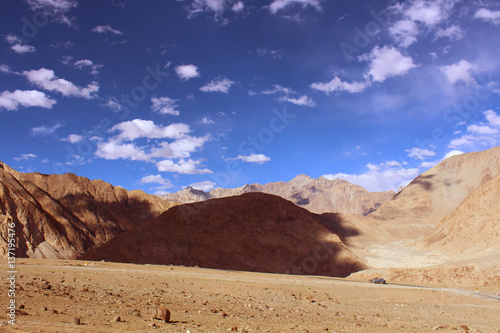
(62, 216)
(471, 229)
(316, 195)
(251, 232)
(440, 190)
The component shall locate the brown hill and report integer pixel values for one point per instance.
(62, 216)
(473, 228)
(438, 191)
(319, 195)
(252, 232)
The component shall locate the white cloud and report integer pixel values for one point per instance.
(114, 151)
(86, 63)
(387, 62)
(11, 100)
(101, 29)
(336, 84)
(379, 177)
(25, 157)
(492, 117)
(275, 54)
(180, 148)
(46, 79)
(404, 32)
(279, 5)
(156, 179)
(207, 121)
(112, 103)
(427, 12)
(488, 15)
(452, 153)
(5, 69)
(73, 138)
(221, 84)
(238, 7)
(303, 101)
(453, 32)
(428, 164)
(420, 154)
(139, 128)
(186, 72)
(276, 89)
(165, 105)
(460, 71)
(253, 158)
(18, 45)
(187, 167)
(480, 129)
(481, 135)
(205, 186)
(23, 48)
(45, 130)
(54, 9)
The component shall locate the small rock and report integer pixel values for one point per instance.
(77, 321)
(160, 313)
(44, 308)
(117, 319)
(233, 329)
(464, 327)
(439, 327)
(21, 306)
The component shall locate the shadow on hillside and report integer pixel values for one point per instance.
(336, 224)
(424, 182)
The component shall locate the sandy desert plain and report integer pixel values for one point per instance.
(52, 293)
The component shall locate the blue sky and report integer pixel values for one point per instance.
(157, 95)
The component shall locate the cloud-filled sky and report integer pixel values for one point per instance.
(158, 95)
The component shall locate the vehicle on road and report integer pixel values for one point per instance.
(379, 281)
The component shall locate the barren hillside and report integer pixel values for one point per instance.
(62, 216)
(252, 232)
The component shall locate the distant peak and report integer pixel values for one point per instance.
(301, 177)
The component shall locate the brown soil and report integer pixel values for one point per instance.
(54, 293)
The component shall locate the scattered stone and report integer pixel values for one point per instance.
(117, 319)
(233, 329)
(440, 327)
(44, 308)
(464, 327)
(160, 313)
(21, 306)
(77, 321)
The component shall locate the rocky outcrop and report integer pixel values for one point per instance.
(62, 216)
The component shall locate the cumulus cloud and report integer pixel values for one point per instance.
(460, 71)
(187, 167)
(488, 15)
(379, 177)
(18, 45)
(46, 79)
(102, 29)
(86, 63)
(453, 32)
(45, 130)
(73, 138)
(27, 98)
(404, 32)
(25, 157)
(336, 84)
(387, 62)
(302, 100)
(165, 105)
(206, 186)
(221, 84)
(453, 153)
(156, 179)
(55, 10)
(280, 5)
(186, 72)
(420, 154)
(207, 121)
(115, 150)
(139, 128)
(252, 158)
(480, 136)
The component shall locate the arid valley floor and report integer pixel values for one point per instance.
(53, 293)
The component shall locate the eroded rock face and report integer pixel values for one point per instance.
(252, 232)
(319, 195)
(62, 216)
